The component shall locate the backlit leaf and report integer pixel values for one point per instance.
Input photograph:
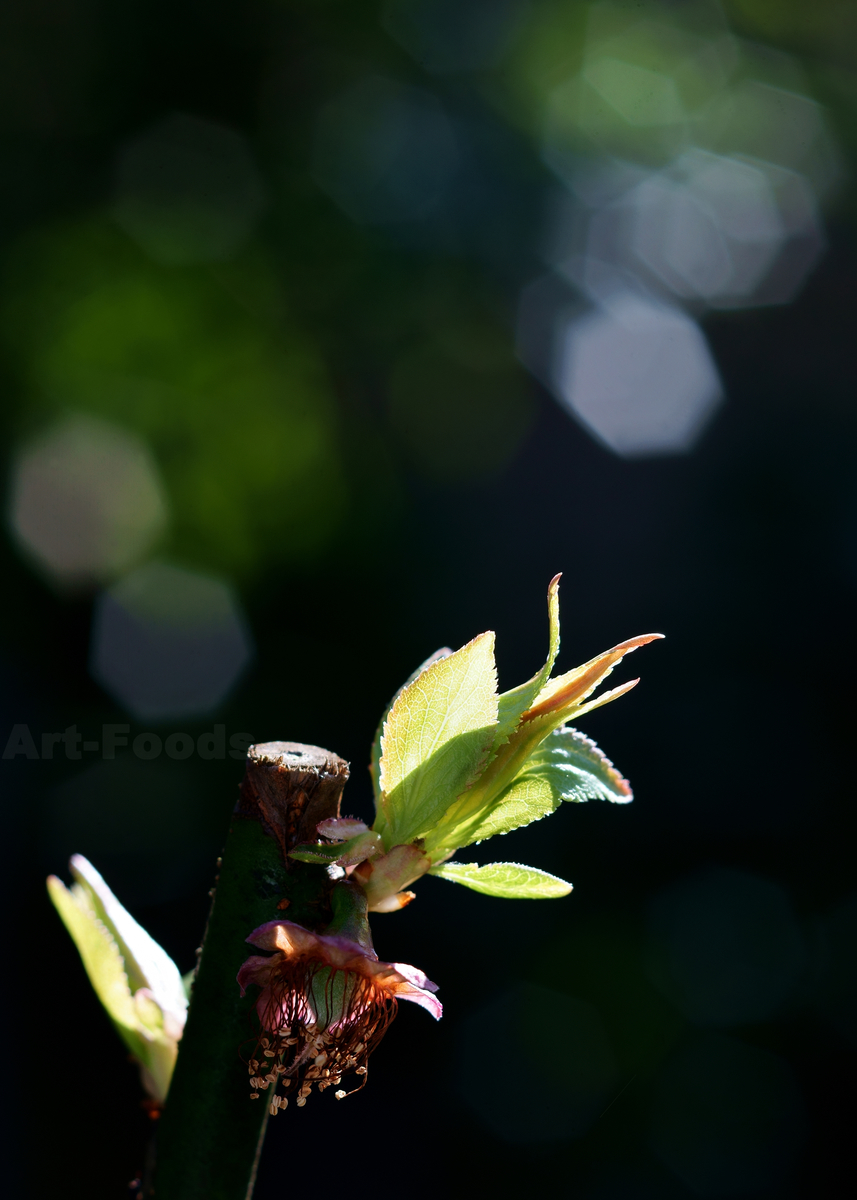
(146, 963)
(375, 761)
(515, 702)
(563, 698)
(102, 960)
(566, 766)
(527, 799)
(436, 738)
(511, 881)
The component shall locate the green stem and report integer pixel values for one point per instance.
(210, 1135)
(350, 914)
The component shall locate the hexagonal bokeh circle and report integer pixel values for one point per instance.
(638, 375)
(86, 501)
(169, 642)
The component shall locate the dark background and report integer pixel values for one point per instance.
(345, 436)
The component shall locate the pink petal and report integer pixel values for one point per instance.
(291, 939)
(415, 976)
(424, 999)
(283, 935)
(399, 979)
(255, 970)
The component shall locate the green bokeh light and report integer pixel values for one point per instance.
(228, 392)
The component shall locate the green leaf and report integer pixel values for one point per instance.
(375, 760)
(470, 817)
(348, 853)
(512, 881)
(527, 799)
(515, 702)
(102, 961)
(315, 852)
(566, 766)
(437, 738)
(133, 977)
(578, 769)
(146, 963)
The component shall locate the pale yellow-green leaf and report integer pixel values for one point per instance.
(566, 766)
(102, 961)
(511, 881)
(131, 974)
(158, 1064)
(375, 758)
(528, 799)
(436, 738)
(150, 1015)
(146, 963)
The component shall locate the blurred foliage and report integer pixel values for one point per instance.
(231, 398)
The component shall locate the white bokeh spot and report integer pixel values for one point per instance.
(638, 375)
(86, 501)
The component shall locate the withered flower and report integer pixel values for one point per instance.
(325, 1004)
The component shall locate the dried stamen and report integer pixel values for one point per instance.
(320, 1022)
(324, 1005)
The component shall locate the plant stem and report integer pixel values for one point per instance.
(210, 1135)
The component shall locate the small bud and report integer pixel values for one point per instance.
(134, 978)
